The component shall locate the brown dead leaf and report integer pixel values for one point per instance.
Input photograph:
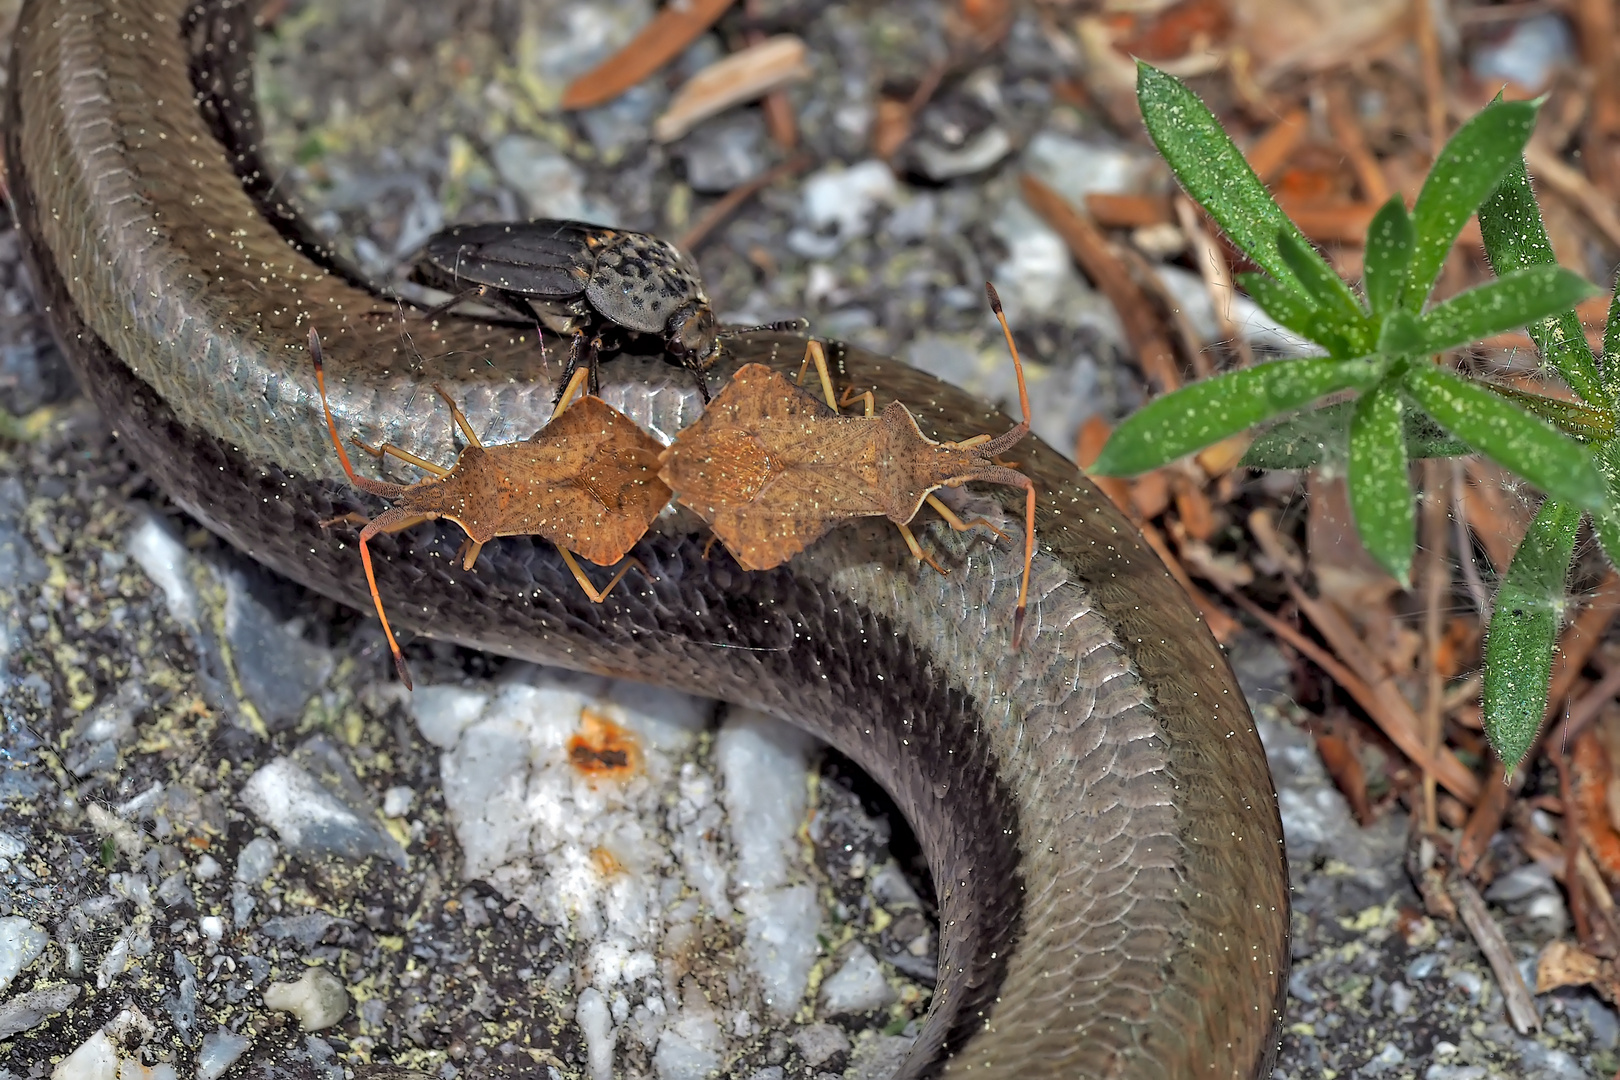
(732, 80)
(675, 27)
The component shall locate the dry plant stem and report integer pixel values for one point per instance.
(1436, 583)
(1521, 1008)
(1448, 770)
(1091, 250)
(1217, 277)
(1465, 547)
(1221, 625)
(1348, 134)
(1377, 693)
(1596, 22)
(1185, 344)
(1273, 149)
(665, 37)
(1572, 850)
(728, 203)
(1434, 80)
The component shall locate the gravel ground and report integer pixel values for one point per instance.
(230, 845)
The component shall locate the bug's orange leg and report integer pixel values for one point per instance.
(957, 523)
(390, 450)
(382, 523)
(968, 444)
(585, 582)
(469, 552)
(851, 395)
(815, 354)
(1012, 347)
(1022, 480)
(374, 487)
(405, 522)
(571, 391)
(916, 549)
(460, 419)
(709, 546)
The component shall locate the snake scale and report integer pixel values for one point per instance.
(1095, 807)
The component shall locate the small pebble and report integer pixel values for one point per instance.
(21, 942)
(318, 999)
(858, 986)
(397, 801)
(220, 1049)
(820, 1042)
(257, 859)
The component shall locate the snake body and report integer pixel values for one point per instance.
(1095, 806)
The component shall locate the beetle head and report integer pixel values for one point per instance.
(693, 333)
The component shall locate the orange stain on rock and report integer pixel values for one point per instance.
(605, 862)
(603, 748)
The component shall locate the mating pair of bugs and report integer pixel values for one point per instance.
(768, 467)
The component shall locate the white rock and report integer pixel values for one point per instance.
(689, 1048)
(781, 940)
(442, 713)
(1076, 169)
(818, 1042)
(95, 1059)
(10, 846)
(318, 999)
(847, 197)
(397, 801)
(21, 942)
(255, 861)
(164, 559)
(597, 1026)
(220, 1049)
(764, 763)
(858, 986)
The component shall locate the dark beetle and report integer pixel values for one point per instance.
(576, 277)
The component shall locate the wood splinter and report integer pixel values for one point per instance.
(587, 482)
(771, 469)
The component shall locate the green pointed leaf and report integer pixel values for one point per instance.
(1574, 418)
(1524, 627)
(1380, 490)
(1606, 522)
(1498, 306)
(1325, 287)
(1318, 435)
(1516, 239)
(1389, 253)
(1290, 308)
(1207, 411)
(1212, 170)
(1468, 168)
(1300, 314)
(1611, 346)
(1508, 435)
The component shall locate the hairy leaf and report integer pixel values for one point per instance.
(1380, 491)
(1524, 627)
(1468, 168)
(1516, 239)
(1508, 435)
(1205, 412)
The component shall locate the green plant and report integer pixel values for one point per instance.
(1382, 351)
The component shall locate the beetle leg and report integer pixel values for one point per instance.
(576, 355)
